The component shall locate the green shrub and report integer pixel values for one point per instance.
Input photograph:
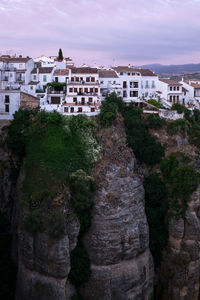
(179, 108)
(56, 225)
(109, 108)
(33, 222)
(155, 122)
(182, 181)
(154, 103)
(82, 187)
(18, 131)
(179, 126)
(144, 145)
(156, 207)
(80, 265)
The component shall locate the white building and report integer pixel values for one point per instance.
(170, 91)
(193, 91)
(83, 91)
(15, 71)
(12, 100)
(109, 83)
(137, 84)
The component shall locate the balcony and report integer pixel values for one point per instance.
(82, 82)
(8, 69)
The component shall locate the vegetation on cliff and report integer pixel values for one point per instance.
(142, 142)
(58, 155)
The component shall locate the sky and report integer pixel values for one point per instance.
(103, 32)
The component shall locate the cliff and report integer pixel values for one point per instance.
(117, 241)
(73, 241)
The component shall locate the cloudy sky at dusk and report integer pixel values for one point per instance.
(103, 31)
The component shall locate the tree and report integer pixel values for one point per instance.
(60, 55)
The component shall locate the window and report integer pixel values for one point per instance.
(92, 109)
(74, 99)
(133, 93)
(96, 90)
(56, 79)
(7, 108)
(177, 99)
(90, 99)
(87, 79)
(92, 79)
(11, 75)
(121, 73)
(72, 109)
(71, 90)
(170, 88)
(77, 79)
(174, 98)
(135, 85)
(177, 88)
(55, 100)
(124, 85)
(45, 78)
(7, 99)
(80, 109)
(82, 100)
(170, 98)
(66, 109)
(31, 87)
(34, 77)
(153, 84)
(101, 82)
(72, 79)
(75, 90)
(91, 90)
(129, 74)
(174, 88)
(86, 90)
(124, 94)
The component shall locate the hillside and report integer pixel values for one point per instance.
(104, 208)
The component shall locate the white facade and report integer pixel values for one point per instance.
(170, 91)
(109, 83)
(9, 104)
(137, 84)
(15, 72)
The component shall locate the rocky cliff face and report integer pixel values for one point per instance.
(117, 242)
(180, 270)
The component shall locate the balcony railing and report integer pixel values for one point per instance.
(82, 82)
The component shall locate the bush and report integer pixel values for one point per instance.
(80, 266)
(109, 108)
(179, 108)
(182, 181)
(154, 103)
(33, 222)
(56, 225)
(156, 207)
(18, 131)
(82, 187)
(155, 122)
(179, 126)
(144, 145)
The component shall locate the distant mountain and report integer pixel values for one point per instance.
(173, 69)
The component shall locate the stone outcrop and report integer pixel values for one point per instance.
(117, 241)
(180, 270)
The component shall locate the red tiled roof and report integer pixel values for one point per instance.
(61, 72)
